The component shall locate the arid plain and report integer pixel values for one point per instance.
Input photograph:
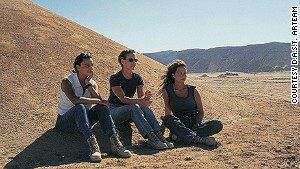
(270, 131)
(261, 127)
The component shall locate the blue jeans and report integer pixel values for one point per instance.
(142, 117)
(186, 133)
(78, 118)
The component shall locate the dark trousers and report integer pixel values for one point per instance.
(78, 118)
(185, 132)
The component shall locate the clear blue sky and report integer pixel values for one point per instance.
(157, 25)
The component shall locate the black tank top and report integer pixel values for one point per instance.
(182, 106)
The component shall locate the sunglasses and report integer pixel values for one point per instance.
(131, 60)
(85, 54)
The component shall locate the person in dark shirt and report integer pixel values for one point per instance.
(183, 108)
(124, 107)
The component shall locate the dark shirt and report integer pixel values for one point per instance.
(129, 86)
(181, 106)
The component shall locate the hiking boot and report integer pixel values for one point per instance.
(95, 155)
(118, 148)
(154, 142)
(209, 141)
(163, 139)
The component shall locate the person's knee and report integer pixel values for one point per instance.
(80, 109)
(218, 124)
(135, 109)
(80, 113)
(145, 109)
(101, 108)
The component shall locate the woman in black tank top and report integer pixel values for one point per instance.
(183, 108)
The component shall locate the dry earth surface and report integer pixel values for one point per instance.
(268, 135)
(37, 50)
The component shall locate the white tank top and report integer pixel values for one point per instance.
(64, 103)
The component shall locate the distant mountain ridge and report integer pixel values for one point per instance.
(269, 57)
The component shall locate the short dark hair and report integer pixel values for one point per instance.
(124, 54)
(79, 59)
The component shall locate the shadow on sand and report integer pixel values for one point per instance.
(54, 148)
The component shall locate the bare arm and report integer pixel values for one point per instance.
(200, 115)
(95, 94)
(140, 91)
(145, 95)
(93, 89)
(66, 87)
(168, 110)
(118, 91)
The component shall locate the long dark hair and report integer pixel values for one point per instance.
(79, 59)
(168, 76)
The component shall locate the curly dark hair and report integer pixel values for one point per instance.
(123, 55)
(168, 76)
(79, 59)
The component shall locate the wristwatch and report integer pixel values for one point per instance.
(88, 85)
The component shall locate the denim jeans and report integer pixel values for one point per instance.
(186, 134)
(142, 117)
(78, 118)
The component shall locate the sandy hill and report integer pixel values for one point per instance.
(37, 50)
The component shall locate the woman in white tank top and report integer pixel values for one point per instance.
(78, 92)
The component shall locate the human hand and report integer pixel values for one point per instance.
(148, 94)
(87, 80)
(146, 102)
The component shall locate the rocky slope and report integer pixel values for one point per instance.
(268, 57)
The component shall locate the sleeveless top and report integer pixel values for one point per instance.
(182, 106)
(64, 103)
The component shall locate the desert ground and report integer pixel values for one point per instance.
(265, 137)
(268, 136)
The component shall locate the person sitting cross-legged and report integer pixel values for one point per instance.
(183, 108)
